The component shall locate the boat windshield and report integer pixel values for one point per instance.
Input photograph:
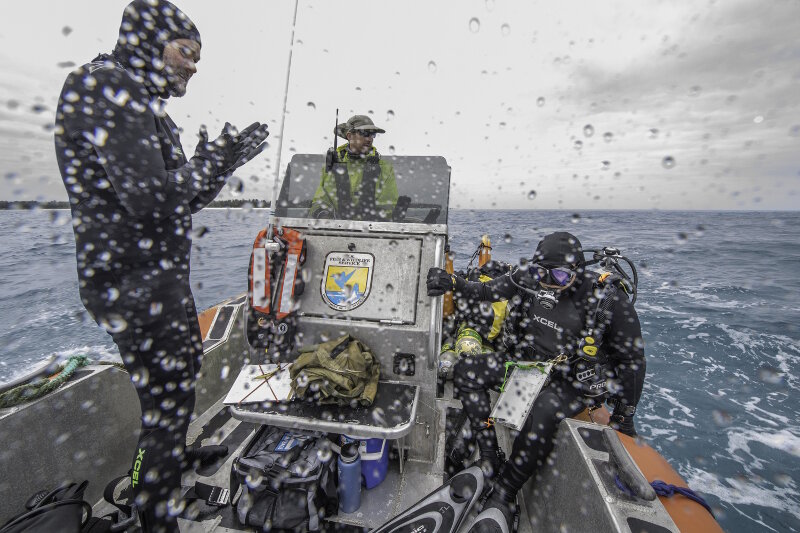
(393, 188)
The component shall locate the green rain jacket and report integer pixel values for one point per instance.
(344, 369)
(325, 198)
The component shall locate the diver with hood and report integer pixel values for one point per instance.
(559, 308)
(132, 193)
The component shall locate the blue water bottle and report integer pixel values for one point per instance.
(349, 478)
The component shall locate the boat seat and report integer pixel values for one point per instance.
(391, 416)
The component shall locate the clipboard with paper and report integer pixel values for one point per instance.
(261, 383)
(519, 391)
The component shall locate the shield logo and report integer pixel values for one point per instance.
(347, 279)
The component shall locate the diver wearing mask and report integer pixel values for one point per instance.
(553, 300)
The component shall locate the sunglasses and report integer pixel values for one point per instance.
(369, 134)
(560, 276)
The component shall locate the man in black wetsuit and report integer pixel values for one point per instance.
(554, 299)
(132, 193)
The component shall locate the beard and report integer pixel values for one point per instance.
(176, 86)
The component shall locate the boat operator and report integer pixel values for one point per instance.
(556, 296)
(357, 184)
(132, 193)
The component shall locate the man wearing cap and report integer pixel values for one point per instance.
(132, 193)
(557, 298)
(356, 183)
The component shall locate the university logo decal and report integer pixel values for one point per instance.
(347, 279)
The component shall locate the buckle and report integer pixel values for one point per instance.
(219, 497)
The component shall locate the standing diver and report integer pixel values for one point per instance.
(554, 298)
(132, 193)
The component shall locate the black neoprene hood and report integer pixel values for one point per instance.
(559, 249)
(147, 27)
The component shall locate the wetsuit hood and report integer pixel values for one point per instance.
(147, 27)
(559, 249)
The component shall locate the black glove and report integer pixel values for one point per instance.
(221, 152)
(622, 419)
(248, 144)
(439, 282)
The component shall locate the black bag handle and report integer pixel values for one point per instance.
(49, 507)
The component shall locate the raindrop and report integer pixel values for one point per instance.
(569, 258)
(505, 29)
(588, 130)
(540, 101)
(113, 323)
(682, 238)
(223, 374)
(65, 64)
(694, 90)
(721, 418)
(576, 218)
(236, 185)
(431, 66)
(145, 244)
(578, 144)
(312, 105)
(389, 288)
(474, 24)
(38, 108)
(98, 138)
(112, 294)
(605, 165)
(507, 238)
(324, 454)
(608, 136)
(770, 375)
(66, 30)
(391, 149)
(653, 133)
(759, 119)
(199, 232)
(668, 162)
(794, 131)
(389, 115)
(489, 5)
(531, 195)
(700, 230)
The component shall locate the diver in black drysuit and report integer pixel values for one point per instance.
(537, 333)
(132, 193)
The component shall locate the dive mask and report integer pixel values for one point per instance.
(555, 277)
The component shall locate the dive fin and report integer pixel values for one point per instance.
(443, 510)
(489, 521)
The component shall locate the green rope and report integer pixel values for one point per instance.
(28, 392)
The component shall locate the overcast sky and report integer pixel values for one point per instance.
(580, 101)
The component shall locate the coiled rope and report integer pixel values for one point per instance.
(27, 392)
(663, 488)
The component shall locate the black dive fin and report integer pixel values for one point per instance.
(489, 521)
(443, 510)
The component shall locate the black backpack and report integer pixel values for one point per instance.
(286, 482)
(60, 510)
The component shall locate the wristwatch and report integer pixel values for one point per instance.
(621, 409)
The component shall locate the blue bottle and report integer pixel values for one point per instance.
(349, 478)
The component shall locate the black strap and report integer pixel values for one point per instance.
(108, 495)
(213, 495)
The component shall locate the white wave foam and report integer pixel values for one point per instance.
(99, 352)
(782, 439)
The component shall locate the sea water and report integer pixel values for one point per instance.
(719, 302)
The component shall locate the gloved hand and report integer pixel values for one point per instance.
(439, 282)
(623, 424)
(248, 144)
(221, 152)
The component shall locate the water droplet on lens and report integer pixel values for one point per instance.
(576, 218)
(507, 238)
(770, 375)
(540, 101)
(607, 136)
(66, 30)
(389, 115)
(578, 145)
(759, 119)
(532, 195)
(474, 24)
(391, 149)
(794, 131)
(145, 244)
(721, 418)
(65, 64)
(682, 238)
(505, 29)
(389, 288)
(223, 374)
(653, 133)
(605, 165)
(431, 66)
(668, 162)
(694, 90)
(199, 232)
(588, 130)
(312, 105)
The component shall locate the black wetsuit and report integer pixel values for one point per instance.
(537, 333)
(132, 193)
